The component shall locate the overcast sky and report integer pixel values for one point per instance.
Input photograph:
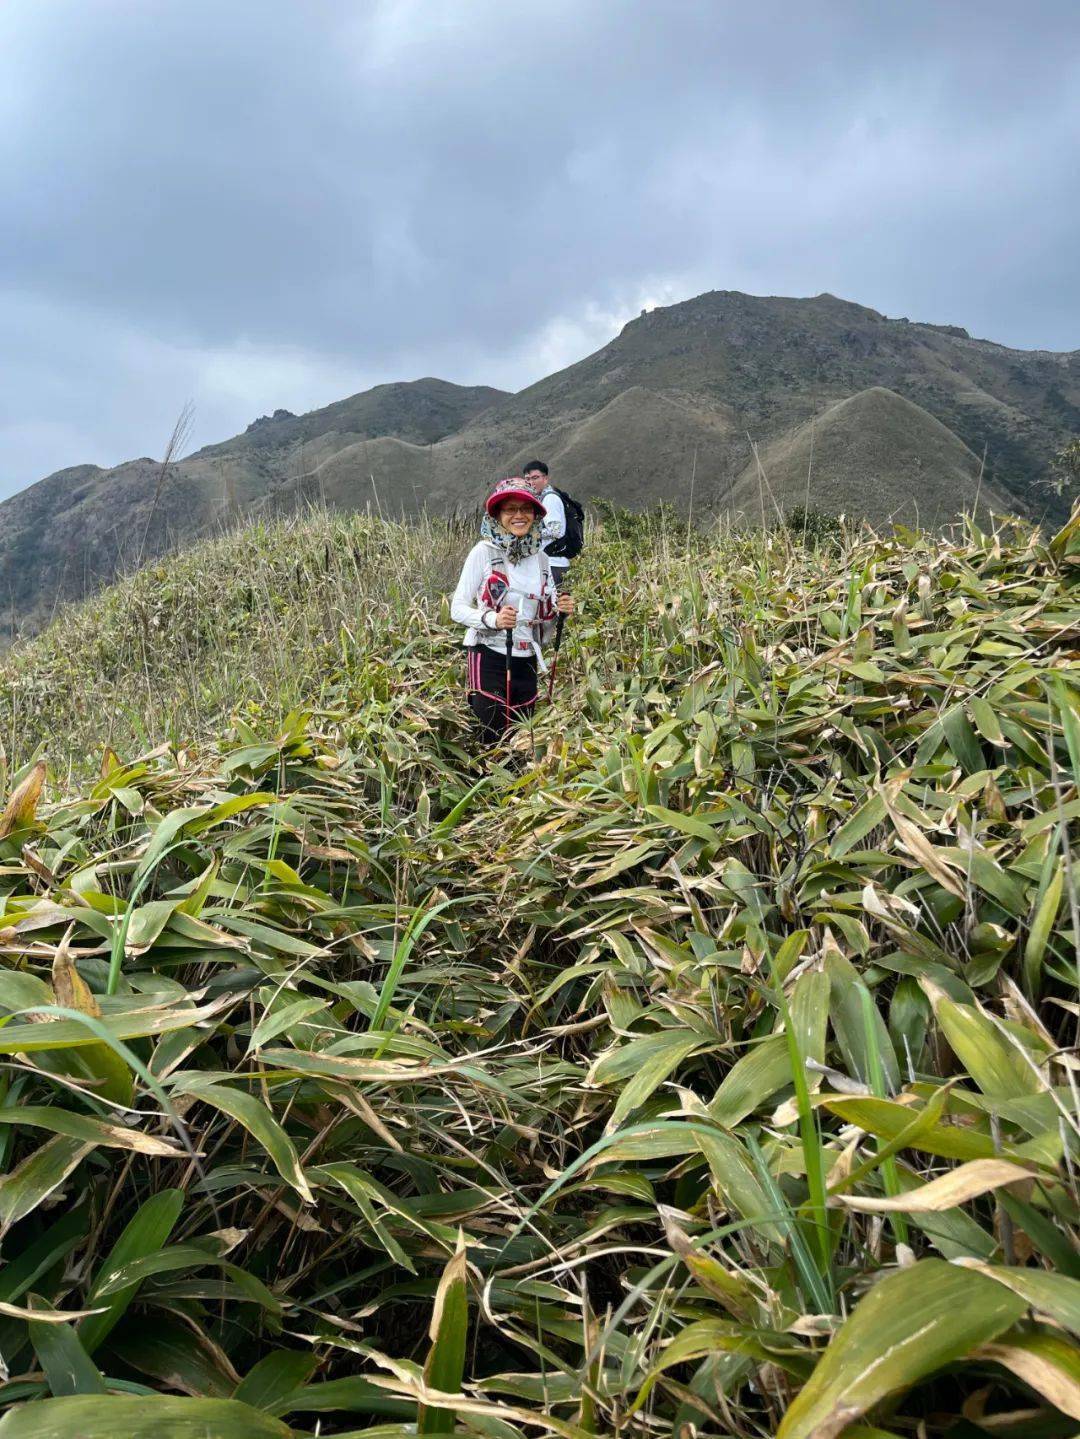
(262, 203)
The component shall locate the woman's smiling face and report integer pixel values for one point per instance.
(516, 516)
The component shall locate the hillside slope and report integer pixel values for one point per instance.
(882, 456)
(655, 1075)
(74, 531)
(673, 402)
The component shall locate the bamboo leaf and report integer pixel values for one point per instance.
(91, 1131)
(275, 1377)
(68, 1368)
(1055, 1296)
(886, 1119)
(642, 1065)
(1041, 926)
(979, 1176)
(119, 1279)
(108, 1416)
(752, 1080)
(911, 1324)
(707, 1336)
(23, 801)
(37, 1176)
(1048, 1362)
(145, 1233)
(179, 1356)
(259, 1123)
(448, 1330)
(995, 1064)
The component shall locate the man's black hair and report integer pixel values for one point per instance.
(535, 465)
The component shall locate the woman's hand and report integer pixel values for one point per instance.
(566, 604)
(506, 618)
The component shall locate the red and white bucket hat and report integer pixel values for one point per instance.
(513, 489)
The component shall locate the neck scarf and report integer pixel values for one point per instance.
(515, 547)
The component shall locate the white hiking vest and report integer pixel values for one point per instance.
(486, 577)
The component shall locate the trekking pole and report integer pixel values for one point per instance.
(514, 600)
(555, 655)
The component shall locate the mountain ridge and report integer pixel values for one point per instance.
(686, 398)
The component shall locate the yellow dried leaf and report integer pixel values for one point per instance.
(70, 988)
(23, 801)
(968, 1181)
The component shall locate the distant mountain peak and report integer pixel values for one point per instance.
(269, 419)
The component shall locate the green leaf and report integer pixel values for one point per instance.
(353, 1394)
(31, 1038)
(912, 1323)
(445, 1366)
(684, 823)
(996, 1065)
(1055, 1295)
(37, 1176)
(146, 922)
(805, 1024)
(707, 1336)
(363, 1191)
(259, 1123)
(166, 831)
(846, 1007)
(108, 1416)
(413, 930)
(177, 1258)
(228, 808)
(641, 1066)
(145, 1233)
(735, 1178)
(986, 721)
(962, 740)
(277, 1021)
(885, 1119)
(752, 1080)
(275, 1377)
(38, 1257)
(1041, 926)
(91, 1131)
(855, 829)
(174, 1355)
(67, 1366)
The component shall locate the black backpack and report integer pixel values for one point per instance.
(569, 545)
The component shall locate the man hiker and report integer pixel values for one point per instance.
(564, 535)
(554, 528)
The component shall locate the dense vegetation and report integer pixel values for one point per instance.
(704, 1065)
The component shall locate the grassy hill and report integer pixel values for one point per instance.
(72, 533)
(912, 468)
(702, 1065)
(674, 404)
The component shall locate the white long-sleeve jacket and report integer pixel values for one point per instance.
(554, 524)
(530, 587)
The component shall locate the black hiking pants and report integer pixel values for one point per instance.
(487, 689)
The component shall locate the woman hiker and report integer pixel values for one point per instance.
(506, 589)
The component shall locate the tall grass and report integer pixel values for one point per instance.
(703, 1063)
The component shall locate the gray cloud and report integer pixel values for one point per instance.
(261, 203)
